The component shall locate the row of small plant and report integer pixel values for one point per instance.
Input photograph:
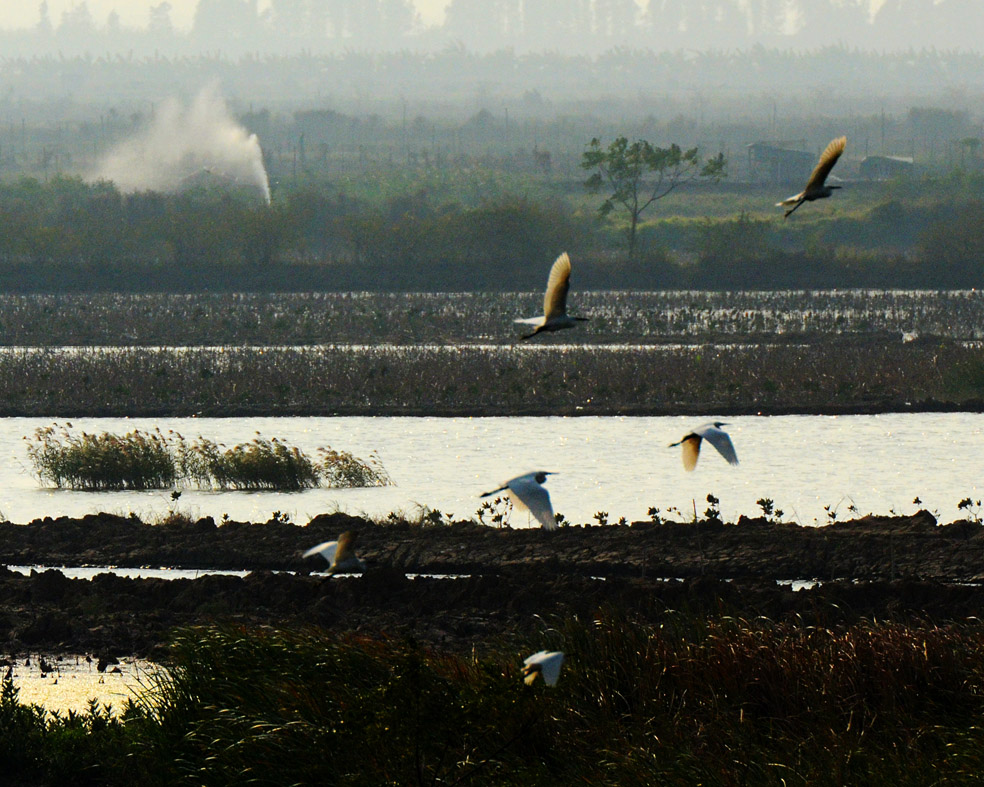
(369, 318)
(153, 460)
(690, 700)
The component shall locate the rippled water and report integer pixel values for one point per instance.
(619, 465)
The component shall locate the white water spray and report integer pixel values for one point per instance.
(183, 146)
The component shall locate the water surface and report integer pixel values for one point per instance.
(618, 465)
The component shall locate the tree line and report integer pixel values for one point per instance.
(67, 235)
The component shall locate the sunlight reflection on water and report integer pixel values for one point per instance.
(619, 465)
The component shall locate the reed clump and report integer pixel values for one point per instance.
(260, 464)
(136, 460)
(153, 460)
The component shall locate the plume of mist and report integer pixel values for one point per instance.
(187, 145)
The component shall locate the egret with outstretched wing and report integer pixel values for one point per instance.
(555, 301)
(529, 492)
(715, 435)
(816, 187)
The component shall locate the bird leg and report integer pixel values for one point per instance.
(793, 208)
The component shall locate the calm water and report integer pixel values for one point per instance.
(620, 465)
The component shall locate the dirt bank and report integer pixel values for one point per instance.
(901, 568)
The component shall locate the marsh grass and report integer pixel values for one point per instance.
(260, 464)
(136, 460)
(142, 460)
(489, 380)
(717, 701)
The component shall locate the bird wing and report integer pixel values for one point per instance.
(691, 450)
(346, 548)
(536, 498)
(827, 160)
(325, 549)
(722, 442)
(555, 299)
(550, 667)
(547, 663)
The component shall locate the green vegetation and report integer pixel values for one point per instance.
(139, 460)
(639, 174)
(65, 235)
(714, 701)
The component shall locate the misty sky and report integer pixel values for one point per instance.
(133, 13)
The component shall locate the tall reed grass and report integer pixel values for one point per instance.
(141, 460)
(693, 701)
(452, 380)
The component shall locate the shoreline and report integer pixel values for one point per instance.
(883, 407)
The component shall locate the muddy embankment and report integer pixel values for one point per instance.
(890, 568)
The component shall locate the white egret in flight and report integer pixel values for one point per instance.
(555, 301)
(545, 663)
(815, 187)
(715, 435)
(529, 492)
(340, 555)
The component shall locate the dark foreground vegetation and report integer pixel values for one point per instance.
(716, 701)
(719, 677)
(719, 701)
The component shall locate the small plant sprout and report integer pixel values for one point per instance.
(561, 520)
(973, 509)
(498, 511)
(601, 517)
(545, 663)
(653, 514)
(769, 510)
(713, 510)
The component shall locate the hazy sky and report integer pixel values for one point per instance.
(133, 13)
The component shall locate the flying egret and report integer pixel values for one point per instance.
(555, 301)
(715, 435)
(340, 555)
(815, 188)
(545, 663)
(529, 492)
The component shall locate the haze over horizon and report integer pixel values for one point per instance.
(571, 26)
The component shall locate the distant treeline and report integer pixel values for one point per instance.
(575, 25)
(643, 79)
(66, 235)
